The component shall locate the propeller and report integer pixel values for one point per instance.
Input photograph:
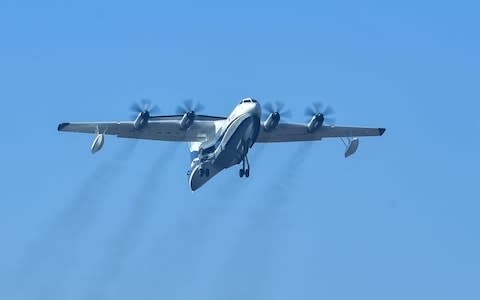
(318, 108)
(189, 107)
(277, 108)
(144, 107)
(142, 113)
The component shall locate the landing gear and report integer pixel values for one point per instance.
(205, 172)
(245, 170)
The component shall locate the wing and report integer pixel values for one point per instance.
(298, 133)
(162, 128)
(179, 117)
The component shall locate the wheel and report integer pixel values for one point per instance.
(247, 173)
(242, 172)
(207, 172)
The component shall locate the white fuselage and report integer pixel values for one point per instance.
(233, 138)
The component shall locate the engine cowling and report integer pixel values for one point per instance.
(141, 120)
(272, 121)
(187, 120)
(315, 123)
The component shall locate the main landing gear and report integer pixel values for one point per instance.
(245, 170)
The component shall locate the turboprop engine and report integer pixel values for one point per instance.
(187, 120)
(318, 115)
(143, 110)
(316, 122)
(141, 120)
(272, 121)
(275, 113)
(188, 110)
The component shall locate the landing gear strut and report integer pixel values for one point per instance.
(245, 170)
(205, 172)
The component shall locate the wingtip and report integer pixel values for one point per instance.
(61, 126)
(381, 131)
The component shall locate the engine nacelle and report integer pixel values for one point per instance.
(141, 120)
(98, 143)
(315, 123)
(187, 120)
(272, 121)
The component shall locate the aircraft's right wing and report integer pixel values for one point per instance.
(179, 117)
(166, 129)
(298, 133)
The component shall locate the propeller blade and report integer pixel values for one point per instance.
(287, 114)
(146, 104)
(317, 106)
(199, 107)
(309, 112)
(279, 106)
(143, 106)
(188, 104)
(136, 107)
(269, 107)
(328, 110)
(154, 109)
(180, 110)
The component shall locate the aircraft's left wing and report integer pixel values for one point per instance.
(163, 129)
(298, 133)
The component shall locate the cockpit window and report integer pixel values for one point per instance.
(248, 100)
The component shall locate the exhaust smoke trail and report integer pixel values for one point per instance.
(58, 244)
(125, 240)
(261, 232)
(212, 210)
(82, 209)
(188, 237)
(280, 185)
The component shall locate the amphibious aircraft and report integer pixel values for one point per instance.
(218, 143)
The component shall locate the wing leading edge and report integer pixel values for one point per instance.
(179, 117)
(298, 133)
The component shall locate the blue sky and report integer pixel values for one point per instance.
(399, 220)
